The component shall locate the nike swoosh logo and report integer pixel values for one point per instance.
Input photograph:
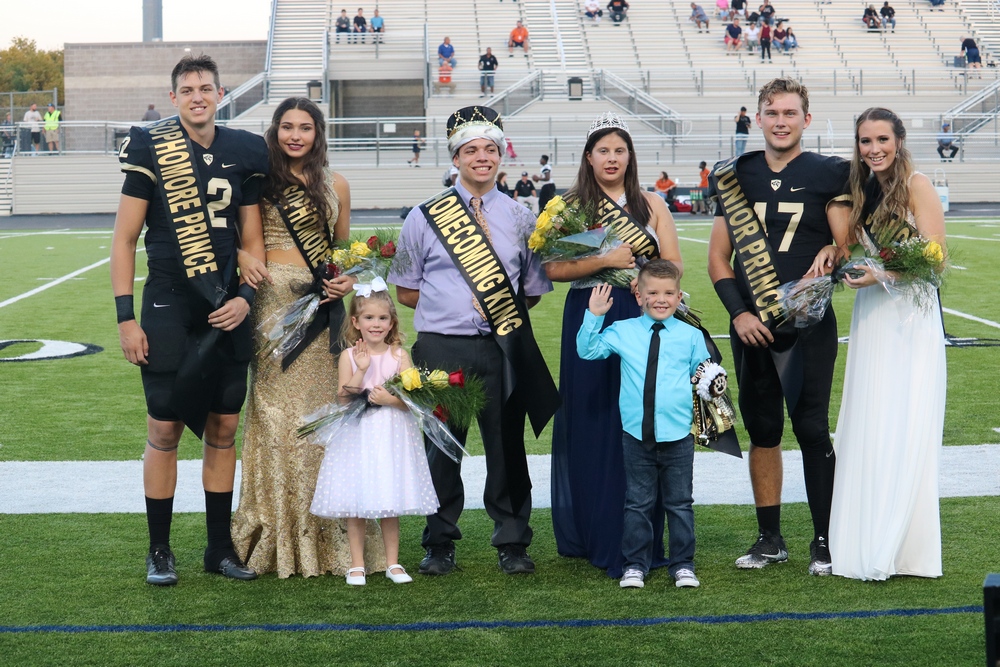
(789, 189)
(161, 305)
(227, 166)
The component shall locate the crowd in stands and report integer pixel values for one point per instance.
(358, 27)
(762, 30)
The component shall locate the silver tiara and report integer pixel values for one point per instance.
(608, 121)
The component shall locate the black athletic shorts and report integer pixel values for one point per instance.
(172, 319)
(761, 400)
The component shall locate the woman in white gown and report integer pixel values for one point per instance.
(885, 519)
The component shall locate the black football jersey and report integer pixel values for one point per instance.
(792, 205)
(230, 172)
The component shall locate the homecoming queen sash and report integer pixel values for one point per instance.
(187, 214)
(628, 229)
(526, 378)
(755, 263)
(312, 238)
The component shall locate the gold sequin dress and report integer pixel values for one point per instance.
(272, 528)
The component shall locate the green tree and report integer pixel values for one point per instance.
(23, 67)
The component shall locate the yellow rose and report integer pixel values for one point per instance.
(411, 379)
(934, 253)
(544, 223)
(438, 378)
(360, 249)
(556, 205)
(536, 241)
(339, 256)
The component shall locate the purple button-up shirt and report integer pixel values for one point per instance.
(445, 305)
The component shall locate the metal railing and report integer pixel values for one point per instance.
(975, 112)
(16, 103)
(519, 96)
(613, 88)
(270, 35)
(243, 97)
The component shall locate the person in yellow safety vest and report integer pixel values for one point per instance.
(51, 128)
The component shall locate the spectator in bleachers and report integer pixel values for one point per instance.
(518, 37)
(446, 52)
(971, 52)
(8, 133)
(378, 27)
(418, 145)
(767, 12)
(778, 36)
(937, 3)
(665, 187)
(791, 41)
(698, 203)
(738, 8)
(34, 125)
(742, 131)
(753, 18)
(765, 42)
(360, 26)
(722, 9)
(592, 10)
(699, 16)
(871, 18)
(888, 16)
(444, 78)
(544, 176)
(343, 24)
(502, 180)
(151, 114)
(487, 65)
(618, 10)
(946, 142)
(734, 37)
(753, 37)
(524, 193)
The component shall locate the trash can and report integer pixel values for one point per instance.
(575, 88)
(314, 91)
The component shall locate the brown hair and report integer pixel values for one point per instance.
(660, 268)
(896, 189)
(190, 64)
(280, 176)
(779, 87)
(349, 334)
(586, 189)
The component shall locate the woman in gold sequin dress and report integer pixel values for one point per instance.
(272, 529)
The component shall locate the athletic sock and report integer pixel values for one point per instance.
(818, 471)
(218, 514)
(769, 520)
(159, 513)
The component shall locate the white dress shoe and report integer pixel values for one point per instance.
(356, 579)
(401, 578)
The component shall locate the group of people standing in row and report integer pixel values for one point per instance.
(213, 199)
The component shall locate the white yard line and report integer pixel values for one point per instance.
(56, 232)
(973, 238)
(688, 238)
(958, 313)
(57, 281)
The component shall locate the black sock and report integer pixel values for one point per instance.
(218, 514)
(818, 469)
(769, 520)
(159, 512)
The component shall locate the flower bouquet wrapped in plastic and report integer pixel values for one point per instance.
(566, 231)
(367, 258)
(433, 397)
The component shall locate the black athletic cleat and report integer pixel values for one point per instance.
(439, 560)
(160, 567)
(819, 558)
(514, 559)
(766, 550)
(231, 567)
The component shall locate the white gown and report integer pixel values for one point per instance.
(885, 519)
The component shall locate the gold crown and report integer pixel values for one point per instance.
(608, 121)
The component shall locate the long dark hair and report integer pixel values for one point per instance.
(896, 189)
(312, 165)
(588, 192)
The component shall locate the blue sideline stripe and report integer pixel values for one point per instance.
(493, 625)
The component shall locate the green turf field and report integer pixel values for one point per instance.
(73, 570)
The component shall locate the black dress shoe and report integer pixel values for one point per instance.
(514, 559)
(439, 560)
(160, 567)
(232, 567)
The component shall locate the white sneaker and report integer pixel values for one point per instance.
(684, 578)
(356, 579)
(401, 578)
(632, 579)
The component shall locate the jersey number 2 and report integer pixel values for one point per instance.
(796, 209)
(217, 186)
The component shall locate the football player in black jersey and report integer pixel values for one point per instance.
(214, 192)
(800, 199)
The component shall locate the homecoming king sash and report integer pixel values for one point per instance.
(190, 221)
(628, 229)
(755, 262)
(312, 238)
(526, 378)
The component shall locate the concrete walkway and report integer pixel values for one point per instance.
(116, 486)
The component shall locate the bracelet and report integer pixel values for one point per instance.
(248, 293)
(125, 308)
(730, 296)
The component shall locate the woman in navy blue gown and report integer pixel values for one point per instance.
(588, 474)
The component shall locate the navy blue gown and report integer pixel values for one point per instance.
(588, 471)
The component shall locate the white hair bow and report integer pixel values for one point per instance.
(376, 285)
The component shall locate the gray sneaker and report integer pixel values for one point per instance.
(685, 578)
(819, 558)
(160, 567)
(632, 579)
(766, 550)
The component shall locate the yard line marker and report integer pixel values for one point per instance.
(687, 238)
(973, 238)
(958, 313)
(56, 232)
(494, 625)
(57, 281)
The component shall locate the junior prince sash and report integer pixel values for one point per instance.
(628, 229)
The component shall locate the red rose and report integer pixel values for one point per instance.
(456, 378)
(332, 271)
(886, 254)
(441, 413)
(388, 250)
(373, 242)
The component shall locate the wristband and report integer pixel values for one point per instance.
(125, 307)
(731, 298)
(248, 293)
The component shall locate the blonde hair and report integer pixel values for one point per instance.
(350, 334)
(780, 87)
(896, 188)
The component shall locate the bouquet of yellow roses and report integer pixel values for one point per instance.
(366, 258)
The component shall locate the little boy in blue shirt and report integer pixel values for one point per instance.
(659, 356)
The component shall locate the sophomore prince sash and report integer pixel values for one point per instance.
(628, 229)
(312, 237)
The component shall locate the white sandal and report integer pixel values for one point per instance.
(402, 578)
(356, 580)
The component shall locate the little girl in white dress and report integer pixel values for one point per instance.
(375, 467)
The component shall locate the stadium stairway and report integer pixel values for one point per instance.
(295, 47)
(6, 187)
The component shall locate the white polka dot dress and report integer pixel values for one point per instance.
(376, 467)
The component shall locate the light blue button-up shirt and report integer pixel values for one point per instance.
(682, 348)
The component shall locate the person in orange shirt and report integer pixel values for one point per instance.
(664, 186)
(518, 37)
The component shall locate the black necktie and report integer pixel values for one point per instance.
(649, 387)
